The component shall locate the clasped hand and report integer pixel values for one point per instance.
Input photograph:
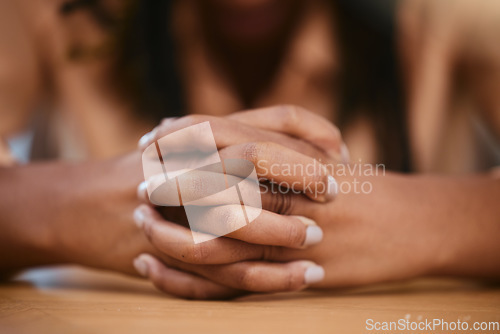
(326, 238)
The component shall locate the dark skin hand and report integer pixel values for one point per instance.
(84, 215)
(405, 227)
(66, 213)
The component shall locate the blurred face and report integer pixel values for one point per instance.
(249, 21)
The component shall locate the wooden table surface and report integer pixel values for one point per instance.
(75, 300)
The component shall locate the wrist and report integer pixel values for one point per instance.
(94, 225)
(27, 214)
(463, 226)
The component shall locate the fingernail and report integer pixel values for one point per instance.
(314, 233)
(332, 187)
(314, 274)
(331, 191)
(141, 266)
(168, 120)
(139, 217)
(142, 190)
(144, 141)
(344, 153)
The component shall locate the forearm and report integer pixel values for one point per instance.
(71, 213)
(466, 212)
(31, 197)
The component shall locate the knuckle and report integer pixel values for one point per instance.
(251, 152)
(290, 115)
(200, 253)
(294, 235)
(194, 119)
(245, 279)
(195, 254)
(244, 251)
(281, 203)
(269, 253)
(259, 150)
(286, 204)
(290, 281)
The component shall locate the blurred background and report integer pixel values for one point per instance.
(413, 84)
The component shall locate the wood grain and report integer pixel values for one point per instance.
(76, 300)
